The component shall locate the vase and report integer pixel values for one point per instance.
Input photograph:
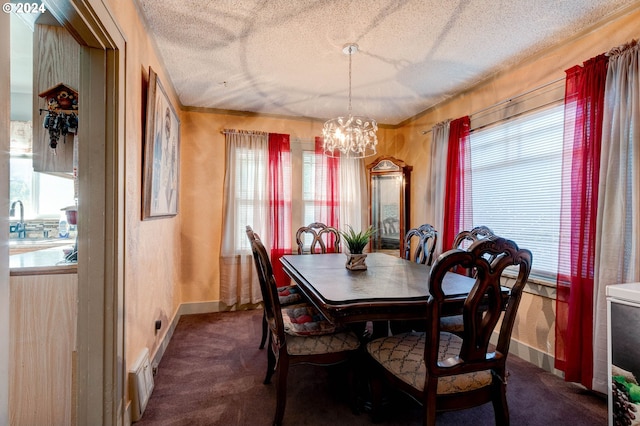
(355, 262)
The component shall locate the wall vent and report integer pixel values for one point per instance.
(140, 384)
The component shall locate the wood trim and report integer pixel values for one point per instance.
(100, 355)
(4, 220)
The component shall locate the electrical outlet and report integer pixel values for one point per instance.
(158, 325)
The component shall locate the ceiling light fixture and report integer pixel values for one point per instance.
(352, 136)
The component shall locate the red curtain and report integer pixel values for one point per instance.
(458, 212)
(327, 193)
(584, 99)
(279, 202)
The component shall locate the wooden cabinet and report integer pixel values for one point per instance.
(56, 59)
(43, 314)
(389, 203)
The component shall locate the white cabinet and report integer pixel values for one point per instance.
(623, 312)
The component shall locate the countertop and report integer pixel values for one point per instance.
(629, 292)
(42, 262)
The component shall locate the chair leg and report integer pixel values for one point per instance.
(271, 362)
(429, 401)
(500, 407)
(264, 329)
(351, 383)
(281, 393)
(375, 384)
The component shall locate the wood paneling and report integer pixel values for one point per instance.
(56, 57)
(42, 343)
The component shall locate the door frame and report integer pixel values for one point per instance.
(99, 361)
(5, 117)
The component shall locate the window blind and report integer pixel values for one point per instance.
(516, 182)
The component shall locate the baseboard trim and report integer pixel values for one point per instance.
(183, 309)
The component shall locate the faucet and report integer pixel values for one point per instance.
(22, 233)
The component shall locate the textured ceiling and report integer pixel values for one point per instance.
(285, 56)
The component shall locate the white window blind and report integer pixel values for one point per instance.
(516, 176)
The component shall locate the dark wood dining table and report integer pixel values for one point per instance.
(391, 288)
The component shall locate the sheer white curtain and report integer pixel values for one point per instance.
(437, 179)
(618, 231)
(245, 203)
(354, 206)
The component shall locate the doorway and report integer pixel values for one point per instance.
(99, 377)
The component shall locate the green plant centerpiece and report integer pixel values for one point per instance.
(356, 242)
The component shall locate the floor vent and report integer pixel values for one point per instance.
(140, 384)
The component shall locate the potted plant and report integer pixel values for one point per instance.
(356, 242)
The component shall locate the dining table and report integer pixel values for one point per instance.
(391, 288)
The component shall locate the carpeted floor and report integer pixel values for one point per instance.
(212, 373)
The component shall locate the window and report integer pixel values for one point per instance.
(516, 180)
(251, 191)
(42, 195)
(308, 191)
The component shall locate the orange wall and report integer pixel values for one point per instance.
(152, 248)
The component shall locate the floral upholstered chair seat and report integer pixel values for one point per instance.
(308, 332)
(289, 295)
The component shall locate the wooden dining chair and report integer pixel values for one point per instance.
(325, 239)
(299, 334)
(426, 238)
(287, 295)
(463, 240)
(419, 245)
(444, 371)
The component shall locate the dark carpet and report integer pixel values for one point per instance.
(212, 373)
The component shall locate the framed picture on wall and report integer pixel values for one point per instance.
(161, 153)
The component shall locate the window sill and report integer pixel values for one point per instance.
(535, 285)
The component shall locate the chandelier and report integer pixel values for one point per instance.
(353, 136)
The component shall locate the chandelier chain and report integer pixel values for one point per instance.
(350, 58)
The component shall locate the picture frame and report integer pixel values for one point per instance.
(161, 153)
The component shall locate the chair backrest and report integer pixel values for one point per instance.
(268, 285)
(466, 238)
(426, 237)
(482, 307)
(325, 238)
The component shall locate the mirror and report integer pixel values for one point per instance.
(389, 203)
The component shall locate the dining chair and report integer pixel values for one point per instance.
(427, 237)
(299, 334)
(325, 239)
(463, 240)
(444, 371)
(287, 295)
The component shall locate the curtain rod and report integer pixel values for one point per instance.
(258, 132)
(239, 132)
(506, 101)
